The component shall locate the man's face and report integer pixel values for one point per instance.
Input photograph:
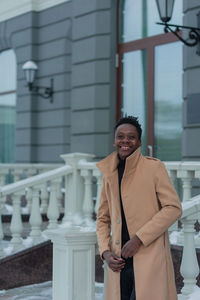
(126, 140)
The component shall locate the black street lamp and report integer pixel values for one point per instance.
(165, 9)
(30, 69)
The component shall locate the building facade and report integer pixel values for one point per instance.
(107, 58)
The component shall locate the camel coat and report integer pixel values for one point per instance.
(151, 205)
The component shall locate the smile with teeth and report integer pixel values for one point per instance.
(125, 148)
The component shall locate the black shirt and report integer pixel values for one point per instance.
(125, 234)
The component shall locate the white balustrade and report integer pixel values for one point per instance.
(78, 187)
(186, 177)
(1, 233)
(35, 217)
(97, 174)
(59, 196)
(44, 196)
(189, 265)
(16, 226)
(28, 199)
(53, 208)
(87, 200)
(75, 186)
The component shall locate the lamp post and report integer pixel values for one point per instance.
(30, 69)
(165, 9)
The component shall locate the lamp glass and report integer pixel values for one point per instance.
(30, 75)
(30, 69)
(165, 9)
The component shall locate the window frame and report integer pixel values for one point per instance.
(148, 44)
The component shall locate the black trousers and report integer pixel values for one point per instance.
(127, 282)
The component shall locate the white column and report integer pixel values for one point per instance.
(59, 196)
(53, 211)
(16, 226)
(186, 178)
(87, 200)
(189, 265)
(16, 175)
(3, 198)
(73, 264)
(74, 185)
(68, 196)
(105, 279)
(1, 233)
(2, 179)
(44, 198)
(35, 217)
(173, 176)
(29, 199)
(98, 176)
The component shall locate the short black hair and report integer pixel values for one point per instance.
(130, 120)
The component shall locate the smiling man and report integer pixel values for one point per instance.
(138, 204)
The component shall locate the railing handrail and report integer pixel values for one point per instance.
(27, 165)
(35, 180)
(191, 207)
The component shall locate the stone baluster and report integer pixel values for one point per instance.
(1, 233)
(44, 196)
(189, 265)
(98, 176)
(16, 175)
(29, 195)
(3, 198)
(59, 196)
(74, 185)
(87, 201)
(35, 217)
(16, 226)
(53, 211)
(68, 206)
(197, 238)
(2, 179)
(105, 279)
(173, 176)
(186, 178)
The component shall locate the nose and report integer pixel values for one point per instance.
(125, 139)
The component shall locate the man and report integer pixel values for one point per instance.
(138, 204)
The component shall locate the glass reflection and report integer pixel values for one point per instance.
(7, 105)
(168, 101)
(134, 88)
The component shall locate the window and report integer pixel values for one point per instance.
(7, 105)
(150, 77)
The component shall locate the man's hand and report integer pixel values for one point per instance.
(114, 262)
(131, 247)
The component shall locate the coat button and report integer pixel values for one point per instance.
(117, 242)
(118, 221)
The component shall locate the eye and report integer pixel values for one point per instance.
(120, 136)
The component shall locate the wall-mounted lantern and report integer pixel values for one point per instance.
(30, 69)
(165, 9)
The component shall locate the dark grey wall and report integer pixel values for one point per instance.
(191, 89)
(93, 76)
(42, 128)
(75, 44)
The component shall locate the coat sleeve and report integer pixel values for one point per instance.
(169, 212)
(103, 222)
